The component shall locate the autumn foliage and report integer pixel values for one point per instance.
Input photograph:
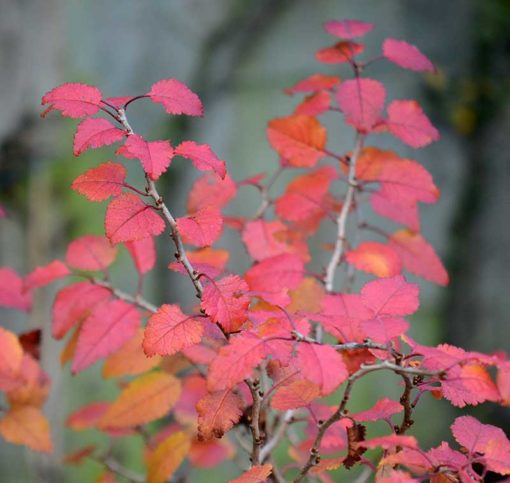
(247, 369)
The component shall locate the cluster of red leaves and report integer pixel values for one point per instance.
(260, 350)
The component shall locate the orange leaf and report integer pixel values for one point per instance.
(373, 257)
(11, 355)
(28, 426)
(146, 398)
(217, 413)
(167, 457)
(299, 139)
(258, 474)
(129, 359)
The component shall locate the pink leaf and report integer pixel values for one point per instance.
(225, 301)
(202, 156)
(128, 218)
(12, 293)
(362, 102)
(155, 156)
(91, 252)
(322, 365)
(108, 327)
(208, 261)
(201, 228)
(407, 122)
(348, 29)
(418, 256)
(169, 331)
(274, 276)
(94, 133)
(143, 253)
(211, 190)
(176, 97)
(382, 409)
(73, 100)
(98, 184)
(42, 276)
(391, 296)
(406, 55)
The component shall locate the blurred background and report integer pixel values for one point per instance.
(239, 56)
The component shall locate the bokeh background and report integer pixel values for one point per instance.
(239, 55)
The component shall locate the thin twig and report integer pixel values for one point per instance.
(115, 467)
(255, 422)
(278, 434)
(132, 299)
(342, 218)
(174, 232)
(339, 413)
(180, 253)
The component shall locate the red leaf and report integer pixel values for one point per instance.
(104, 331)
(202, 157)
(143, 253)
(217, 413)
(407, 122)
(94, 133)
(299, 139)
(42, 276)
(87, 416)
(225, 302)
(155, 156)
(236, 361)
(208, 454)
(322, 365)
(176, 97)
(382, 409)
(208, 261)
(314, 83)
(406, 55)
(90, 252)
(257, 474)
(418, 256)
(169, 331)
(201, 228)
(101, 182)
(305, 195)
(274, 276)
(314, 105)
(339, 53)
(374, 257)
(128, 218)
(73, 100)
(73, 304)
(362, 102)
(348, 29)
(12, 293)
(211, 190)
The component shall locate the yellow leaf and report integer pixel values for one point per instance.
(167, 457)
